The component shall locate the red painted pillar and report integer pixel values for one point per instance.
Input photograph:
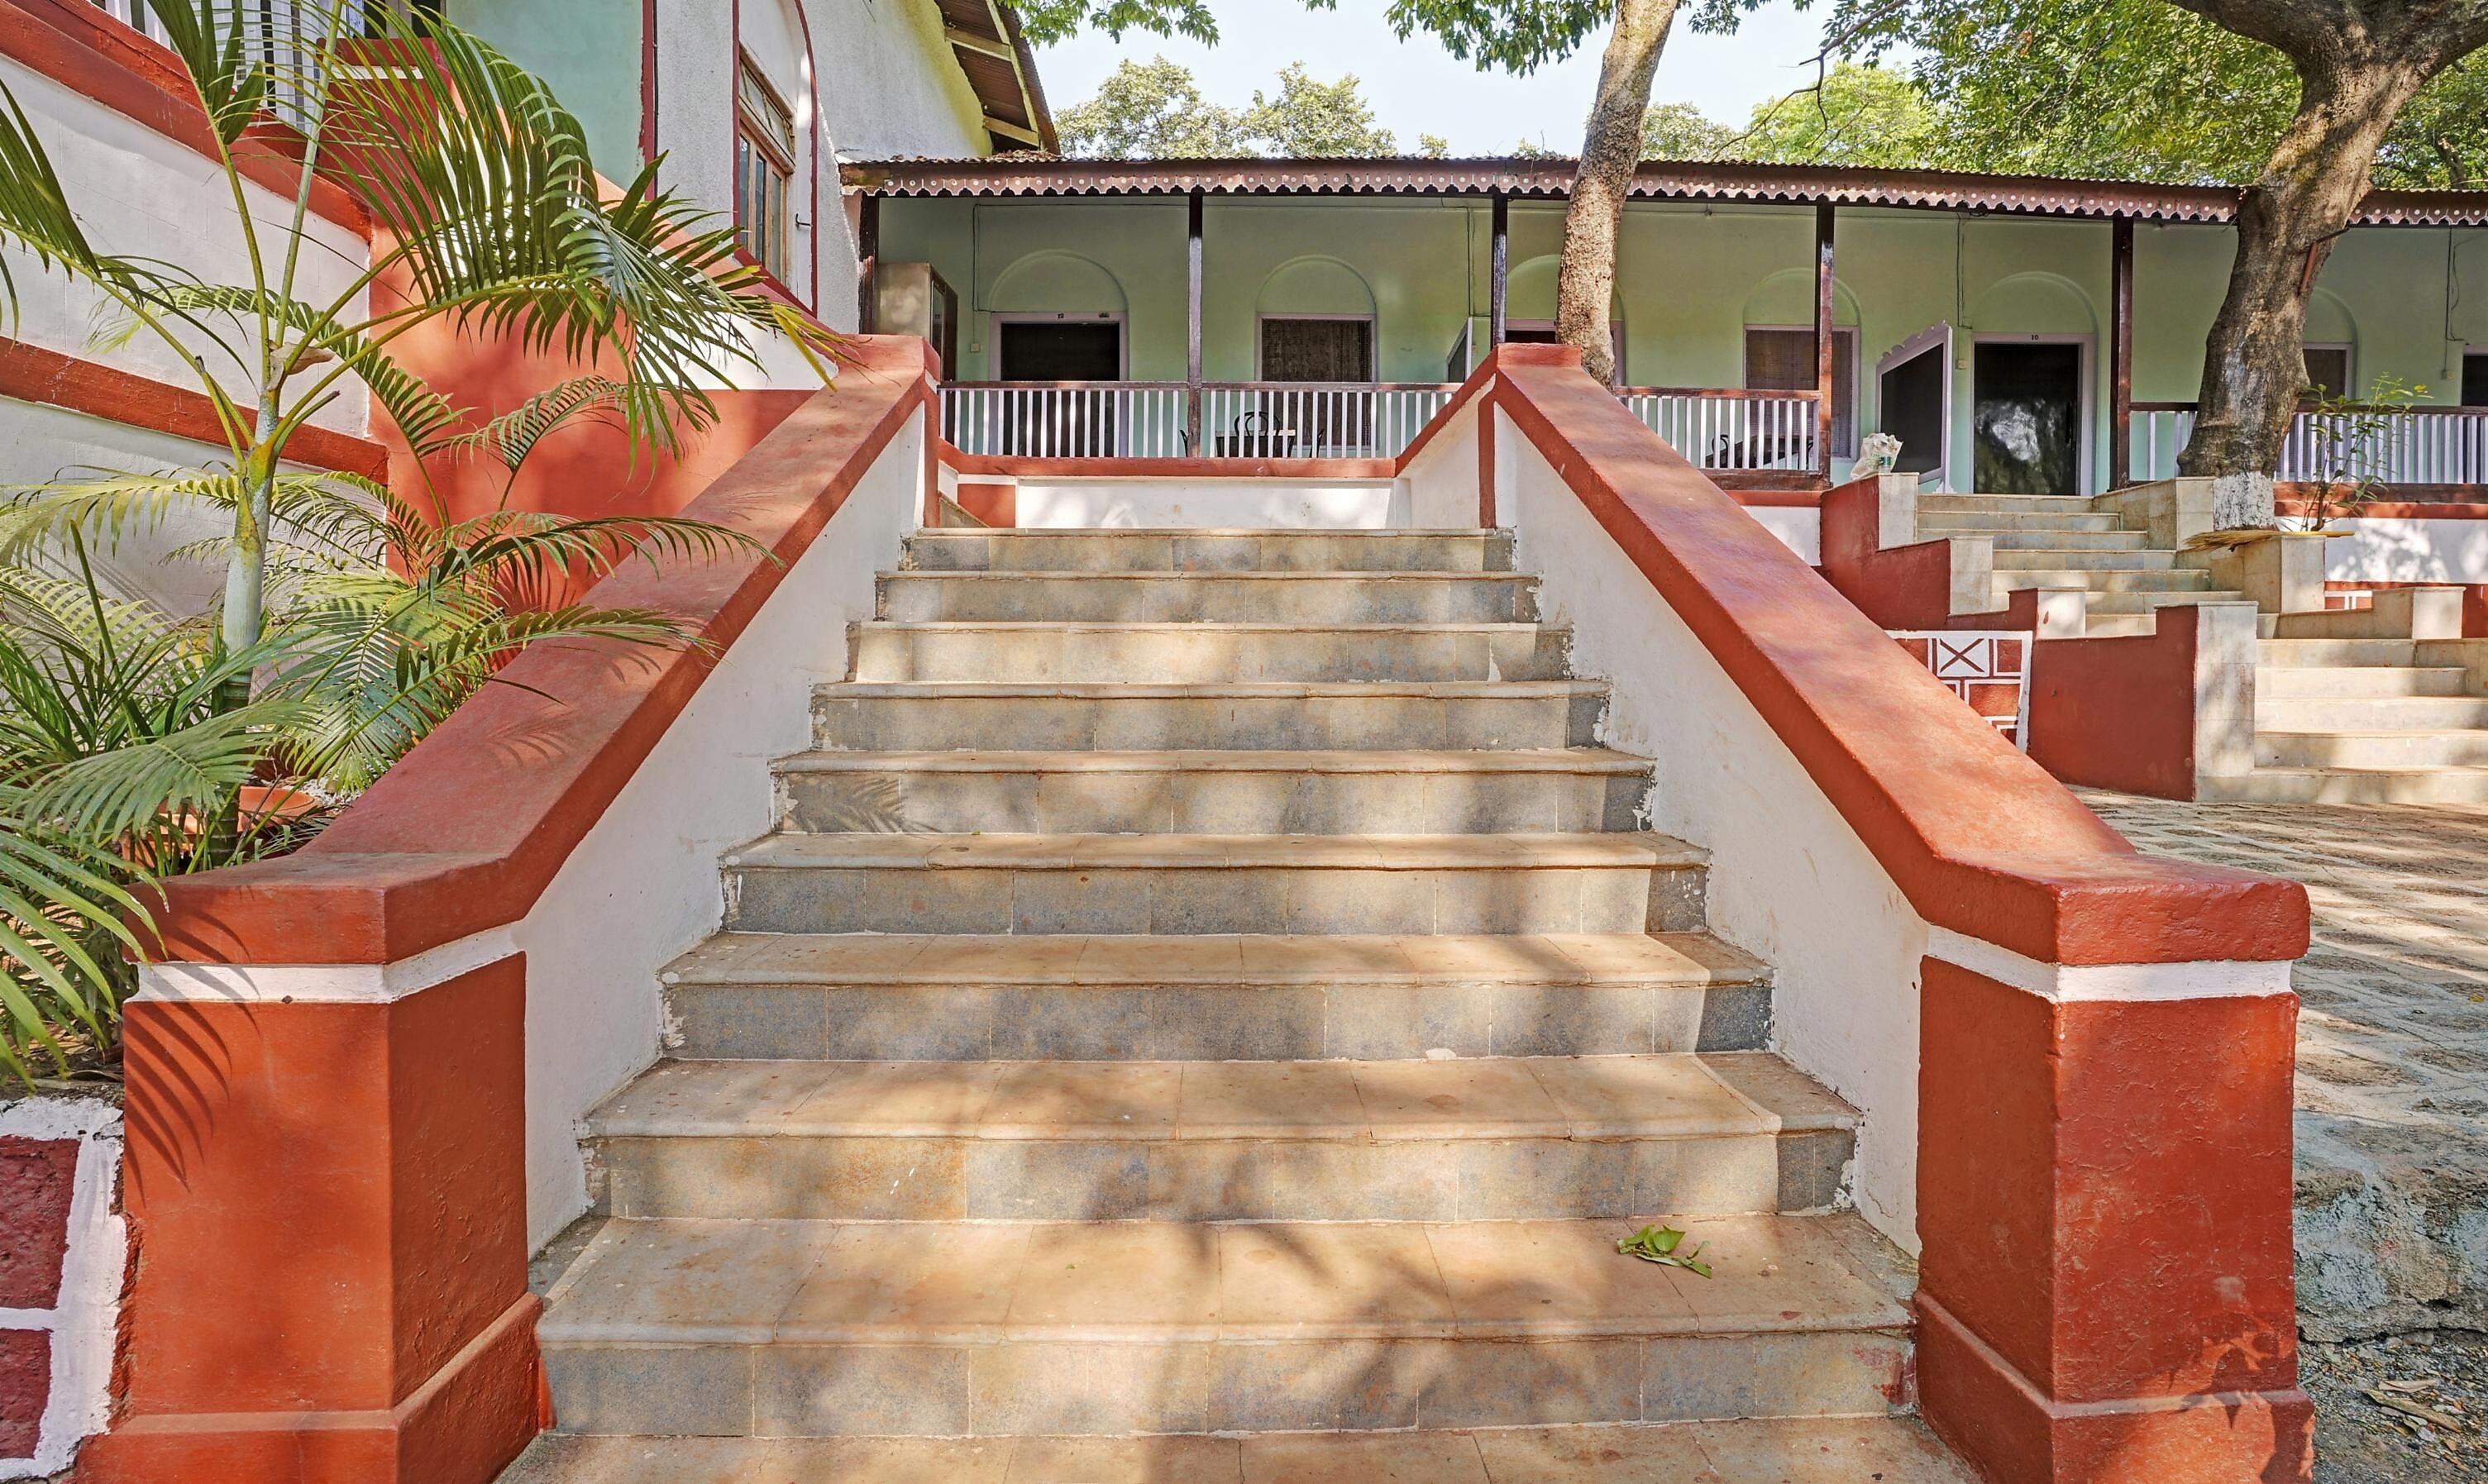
(2104, 1199)
(327, 1203)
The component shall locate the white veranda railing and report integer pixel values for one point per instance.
(2413, 446)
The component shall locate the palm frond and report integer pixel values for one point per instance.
(105, 795)
(226, 55)
(514, 434)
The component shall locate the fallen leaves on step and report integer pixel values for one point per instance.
(1658, 1244)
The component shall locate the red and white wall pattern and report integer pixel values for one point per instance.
(63, 1251)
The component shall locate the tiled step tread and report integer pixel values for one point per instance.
(1210, 852)
(1798, 1450)
(1510, 760)
(777, 1282)
(2362, 684)
(1107, 961)
(1218, 691)
(1676, 1096)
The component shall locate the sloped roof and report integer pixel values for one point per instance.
(984, 36)
(1551, 178)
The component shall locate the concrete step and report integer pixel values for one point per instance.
(1216, 883)
(2356, 682)
(1206, 653)
(1769, 1450)
(2131, 601)
(1224, 598)
(1984, 522)
(1210, 550)
(2466, 748)
(1213, 792)
(2085, 563)
(2369, 713)
(911, 716)
(2351, 786)
(1120, 998)
(2009, 504)
(2310, 653)
(956, 1330)
(1462, 1139)
(2124, 577)
(2068, 541)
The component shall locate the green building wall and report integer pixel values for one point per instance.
(588, 51)
(2407, 299)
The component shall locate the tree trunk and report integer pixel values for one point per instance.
(1611, 151)
(2253, 365)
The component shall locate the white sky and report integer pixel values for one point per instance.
(1417, 88)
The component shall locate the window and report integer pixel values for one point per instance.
(1782, 360)
(1309, 350)
(2328, 370)
(764, 172)
(2475, 380)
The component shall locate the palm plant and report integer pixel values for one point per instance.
(135, 743)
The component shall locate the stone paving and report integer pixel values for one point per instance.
(2392, 1046)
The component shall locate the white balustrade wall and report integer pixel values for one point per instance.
(1766, 430)
(2421, 446)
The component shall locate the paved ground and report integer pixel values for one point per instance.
(2392, 1048)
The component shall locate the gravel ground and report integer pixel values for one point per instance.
(2360, 1439)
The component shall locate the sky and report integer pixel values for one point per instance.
(1418, 88)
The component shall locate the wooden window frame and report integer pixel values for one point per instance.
(755, 142)
(1840, 334)
(2349, 363)
(1372, 342)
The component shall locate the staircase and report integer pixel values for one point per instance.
(2361, 721)
(2060, 541)
(1207, 1011)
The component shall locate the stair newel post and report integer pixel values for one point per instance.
(1823, 339)
(1191, 325)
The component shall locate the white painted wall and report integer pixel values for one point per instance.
(1790, 880)
(1441, 480)
(1798, 528)
(83, 1321)
(889, 85)
(643, 886)
(2399, 550)
(138, 193)
(1235, 504)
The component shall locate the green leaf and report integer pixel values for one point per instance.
(1658, 1244)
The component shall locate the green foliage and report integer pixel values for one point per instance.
(1309, 119)
(2351, 443)
(1155, 110)
(1858, 116)
(1684, 131)
(1661, 1244)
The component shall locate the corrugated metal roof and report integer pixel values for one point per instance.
(1038, 175)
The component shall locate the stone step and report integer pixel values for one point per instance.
(906, 716)
(2130, 602)
(2369, 713)
(1225, 597)
(2008, 504)
(1206, 653)
(953, 1330)
(2350, 785)
(1763, 1451)
(2309, 654)
(2124, 577)
(2069, 541)
(1458, 1139)
(2085, 564)
(2467, 748)
(2351, 682)
(1213, 792)
(1042, 885)
(1210, 550)
(1118, 997)
(1983, 522)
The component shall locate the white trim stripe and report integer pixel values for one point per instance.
(336, 984)
(2112, 983)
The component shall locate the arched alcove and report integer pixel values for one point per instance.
(2034, 303)
(1315, 286)
(2332, 341)
(1778, 351)
(1529, 292)
(1787, 298)
(1056, 283)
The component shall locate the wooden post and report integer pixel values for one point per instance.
(1191, 327)
(2120, 356)
(1823, 339)
(1499, 270)
(867, 257)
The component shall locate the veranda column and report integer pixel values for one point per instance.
(1822, 364)
(1192, 326)
(2120, 354)
(1499, 270)
(867, 258)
